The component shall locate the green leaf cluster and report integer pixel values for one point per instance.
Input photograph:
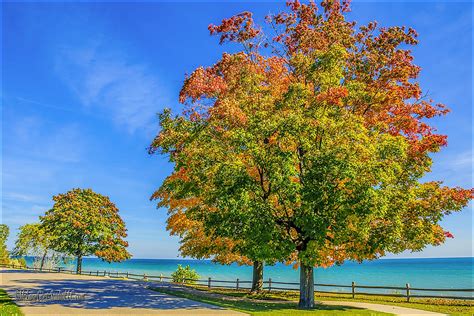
(185, 275)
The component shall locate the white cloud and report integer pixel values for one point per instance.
(33, 137)
(103, 78)
(20, 197)
(453, 168)
(461, 161)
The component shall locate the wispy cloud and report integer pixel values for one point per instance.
(462, 161)
(20, 197)
(36, 138)
(109, 80)
(455, 169)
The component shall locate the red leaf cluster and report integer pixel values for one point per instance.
(239, 28)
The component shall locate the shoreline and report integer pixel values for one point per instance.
(440, 272)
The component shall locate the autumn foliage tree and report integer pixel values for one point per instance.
(310, 143)
(199, 242)
(82, 223)
(194, 242)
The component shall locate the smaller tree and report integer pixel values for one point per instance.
(195, 241)
(33, 241)
(4, 232)
(83, 223)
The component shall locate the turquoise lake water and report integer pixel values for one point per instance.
(420, 273)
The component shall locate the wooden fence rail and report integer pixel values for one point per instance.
(270, 285)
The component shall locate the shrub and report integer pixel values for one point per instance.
(18, 262)
(185, 275)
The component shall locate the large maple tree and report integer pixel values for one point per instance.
(309, 145)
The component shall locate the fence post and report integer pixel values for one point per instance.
(408, 292)
(353, 289)
(209, 282)
(269, 284)
(161, 277)
(237, 284)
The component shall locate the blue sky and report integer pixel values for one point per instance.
(82, 83)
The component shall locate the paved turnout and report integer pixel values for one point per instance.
(103, 296)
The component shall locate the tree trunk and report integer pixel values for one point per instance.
(42, 260)
(306, 287)
(79, 264)
(257, 278)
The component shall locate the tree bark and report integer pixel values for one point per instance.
(257, 277)
(306, 286)
(42, 260)
(79, 264)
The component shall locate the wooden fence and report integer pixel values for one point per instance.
(406, 291)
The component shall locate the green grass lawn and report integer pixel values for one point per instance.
(451, 307)
(7, 306)
(269, 308)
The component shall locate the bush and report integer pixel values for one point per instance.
(18, 262)
(185, 275)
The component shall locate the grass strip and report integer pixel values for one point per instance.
(445, 306)
(7, 306)
(268, 308)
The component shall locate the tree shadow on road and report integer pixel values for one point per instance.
(100, 294)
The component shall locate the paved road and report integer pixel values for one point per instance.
(103, 296)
